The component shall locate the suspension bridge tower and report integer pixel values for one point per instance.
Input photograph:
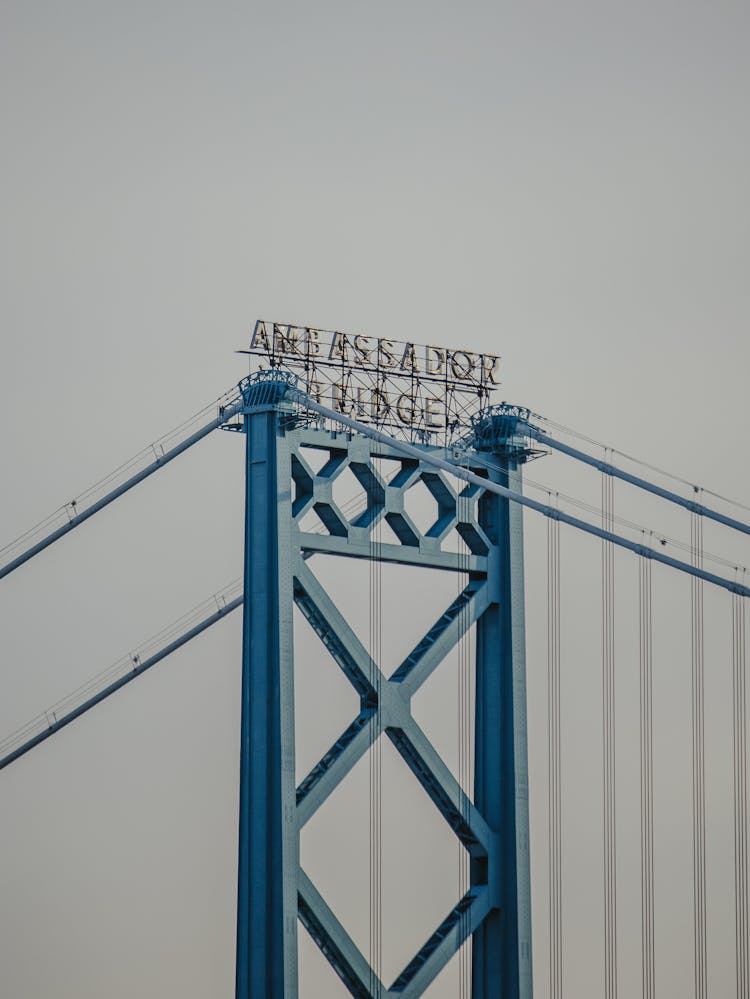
(353, 402)
(317, 408)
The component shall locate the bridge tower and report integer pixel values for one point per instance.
(274, 892)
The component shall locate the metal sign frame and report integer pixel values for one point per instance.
(422, 392)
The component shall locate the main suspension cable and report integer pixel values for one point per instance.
(120, 673)
(644, 464)
(94, 499)
(634, 527)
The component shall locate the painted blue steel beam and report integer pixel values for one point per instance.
(393, 707)
(114, 494)
(136, 671)
(501, 952)
(266, 956)
(334, 765)
(464, 818)
(334, 631)
(455, 621)
(460, 923)
(399, 554)
(333, 940)
(353, 968)
(466, 475)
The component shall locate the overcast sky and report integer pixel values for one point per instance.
(561, 184)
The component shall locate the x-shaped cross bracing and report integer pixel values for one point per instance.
(386, 707)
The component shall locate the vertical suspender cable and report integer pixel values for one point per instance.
(608, 737)
(645, 620)
(739, 760)
(462, 504)
(376, 812)
(460, 747)
(379, 756)
(553, 757)
(699, 773)
(370, 773)
(465, 777)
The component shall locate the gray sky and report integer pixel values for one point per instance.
(565, 185)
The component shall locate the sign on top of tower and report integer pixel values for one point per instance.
(423, 391)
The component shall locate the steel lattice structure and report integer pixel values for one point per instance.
(274, 891)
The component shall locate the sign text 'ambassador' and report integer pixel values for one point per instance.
(424, 390)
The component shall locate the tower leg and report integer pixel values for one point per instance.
(501, 956)
(268, 842)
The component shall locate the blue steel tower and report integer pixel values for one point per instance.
(274, 892)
